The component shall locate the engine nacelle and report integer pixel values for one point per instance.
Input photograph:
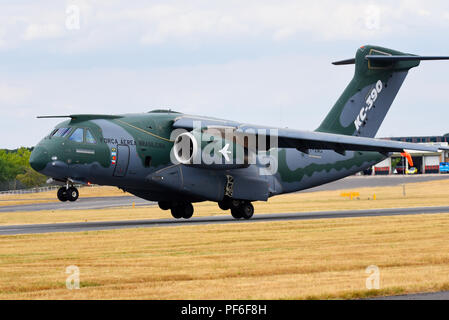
(204, 150)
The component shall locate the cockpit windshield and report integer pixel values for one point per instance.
(90, 137)
(77, 135)
(60, 132)
(80, 135)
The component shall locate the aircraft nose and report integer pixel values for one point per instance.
(39, 158)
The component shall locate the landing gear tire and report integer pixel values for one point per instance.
(164, 205)
(247, 210)
(236, 214)
(244, 210)
(224, 205)
(176, 212)
(72, 194)
(187, 211)
(62, 194)
(182, 211)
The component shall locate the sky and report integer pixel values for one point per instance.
(261, 62)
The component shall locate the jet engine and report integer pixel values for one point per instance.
(204, 150)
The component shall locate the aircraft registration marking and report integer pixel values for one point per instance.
(372, 97)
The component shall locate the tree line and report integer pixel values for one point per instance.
(15, 170)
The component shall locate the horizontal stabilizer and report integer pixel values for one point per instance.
(49, 117)
(388, 58)
(391, 58)
(343, 62)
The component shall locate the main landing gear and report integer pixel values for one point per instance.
(178, 210)
(239, 208)
(68, 194)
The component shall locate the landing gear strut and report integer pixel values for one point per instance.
(178, 210)
(71, 194)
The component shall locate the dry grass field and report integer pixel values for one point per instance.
(434, 193)
(312, 259)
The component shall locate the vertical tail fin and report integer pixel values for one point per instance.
(379, 74)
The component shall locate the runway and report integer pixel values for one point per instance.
(91, 203)
(377, 181)
(225, 219)
(441, 295)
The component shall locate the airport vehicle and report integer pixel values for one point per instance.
(178, 159)
(411, 170)
(444, 167)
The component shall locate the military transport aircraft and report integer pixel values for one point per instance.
(178, 159)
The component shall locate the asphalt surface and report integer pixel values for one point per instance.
(352, 182)
(442, 295)
(107, 225)
(377, 181)
(80, 204)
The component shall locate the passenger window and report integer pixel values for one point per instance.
(89, 137)
(77, 135)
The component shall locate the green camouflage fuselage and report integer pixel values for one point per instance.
(147, 137)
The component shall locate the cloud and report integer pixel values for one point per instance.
(105, 24)
(12, 95)
(43, 31)
(265, 62)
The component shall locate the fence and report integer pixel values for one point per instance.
(33, 190)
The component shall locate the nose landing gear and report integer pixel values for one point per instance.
(68, 194)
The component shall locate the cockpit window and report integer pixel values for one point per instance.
(89, 137)
(52, 132)
(77, 135)
(61, 132)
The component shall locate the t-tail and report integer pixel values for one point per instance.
(379, 74)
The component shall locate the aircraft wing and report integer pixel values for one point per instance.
(306, 140)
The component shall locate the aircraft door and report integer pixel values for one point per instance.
(122, 161)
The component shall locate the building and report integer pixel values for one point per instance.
(426, 139)
(424, 162)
